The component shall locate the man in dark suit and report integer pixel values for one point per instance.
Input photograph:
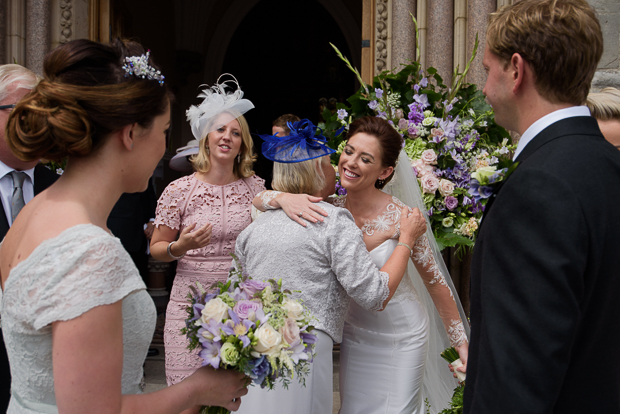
(545, 279)
(15, 82)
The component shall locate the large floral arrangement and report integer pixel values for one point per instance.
(450, 134)
(253, 327)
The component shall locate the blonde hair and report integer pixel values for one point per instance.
(304, 177)
(560, 39)
(202, 163)
(605, 105)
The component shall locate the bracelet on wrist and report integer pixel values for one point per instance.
(170, 252)
(407, 246)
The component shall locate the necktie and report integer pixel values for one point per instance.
(17, 202)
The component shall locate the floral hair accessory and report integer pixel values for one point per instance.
(305, 142)
(205, 118)
(139, 66)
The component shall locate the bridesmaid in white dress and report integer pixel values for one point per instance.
(389, 361)
(76, 318)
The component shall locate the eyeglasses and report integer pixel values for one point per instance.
(11, 106)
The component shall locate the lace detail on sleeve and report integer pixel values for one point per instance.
(385, 287)
(423, 255)
(456, 333)
(256, 184)
(268, 195)
(168, 210)
(92, 271)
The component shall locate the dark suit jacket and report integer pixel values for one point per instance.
(43, 178)
(545, 281)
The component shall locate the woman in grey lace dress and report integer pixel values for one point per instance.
(327, 262)
(76, 318)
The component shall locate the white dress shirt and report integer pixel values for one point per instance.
(547, 120)
(6, 188)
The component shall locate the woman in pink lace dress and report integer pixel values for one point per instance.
(206, 211)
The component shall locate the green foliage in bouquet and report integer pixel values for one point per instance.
(449, 133)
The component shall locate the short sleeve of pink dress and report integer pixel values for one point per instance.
(228, 208)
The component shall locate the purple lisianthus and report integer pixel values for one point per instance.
(373, 105)
(403, 124)
(210, 354)
(379, 93)
(421, 99)
(245, 308)
(451, 202)
(449, 127)
(252, 286)
(485, 191)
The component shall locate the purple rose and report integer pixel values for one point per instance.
(451, 203)
(252, 286)
(245, 308)
(403, 124)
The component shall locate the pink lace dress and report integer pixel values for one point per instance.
(228, 208)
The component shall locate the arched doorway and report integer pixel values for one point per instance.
(280, 54)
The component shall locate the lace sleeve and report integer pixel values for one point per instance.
(439, 290)
(90, 271)
(168, 210)
(256, 184)
(262, 199)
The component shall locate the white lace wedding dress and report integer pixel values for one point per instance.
(81, 268)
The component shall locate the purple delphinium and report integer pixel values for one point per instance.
(342, 114)
(416, 113)
(340, 190)
(422, 100)
(259, 369)
(424, 82)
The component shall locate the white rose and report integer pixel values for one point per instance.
(294, 309)
(268, 339)
(429, 157)
(214, 309)
(446, 187)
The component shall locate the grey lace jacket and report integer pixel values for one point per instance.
(328, 262)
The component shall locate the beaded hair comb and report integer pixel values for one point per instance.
(139, 66)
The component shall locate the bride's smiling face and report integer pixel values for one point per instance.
(360, 163)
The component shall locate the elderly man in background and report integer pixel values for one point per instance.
(20, 181)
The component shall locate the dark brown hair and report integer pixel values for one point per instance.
(560, 39)
(390, 141)
(85, 95)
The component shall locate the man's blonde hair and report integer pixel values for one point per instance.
(560, 39)
(605, 105)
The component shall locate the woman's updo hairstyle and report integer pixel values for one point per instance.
(85, 95)
(390, 141)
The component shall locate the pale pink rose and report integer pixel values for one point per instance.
(429, 157)
(436, 132)
(430, 183)
(446, 187)
(419, 167)
(290, 331)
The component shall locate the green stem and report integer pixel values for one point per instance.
(346, 61)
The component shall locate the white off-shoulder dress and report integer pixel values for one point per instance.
(81, 268)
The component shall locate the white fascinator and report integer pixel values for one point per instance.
(205, 117)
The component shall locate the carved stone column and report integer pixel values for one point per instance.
(478, 20)
(3, 31)
(383, 36)
(16, 32)
(37, 33)
(440, 42)
(403, 32)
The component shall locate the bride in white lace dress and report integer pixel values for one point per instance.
(76, 318)
(389, 361)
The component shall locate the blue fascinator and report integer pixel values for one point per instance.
(305, 142)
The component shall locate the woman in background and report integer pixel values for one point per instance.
(199, 216)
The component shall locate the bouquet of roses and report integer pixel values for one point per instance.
(253, 327)
(449, 135)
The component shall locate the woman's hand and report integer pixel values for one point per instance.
(412, 226)
(301, 207)
(220, 388)
(463, 351)
(190, 239)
